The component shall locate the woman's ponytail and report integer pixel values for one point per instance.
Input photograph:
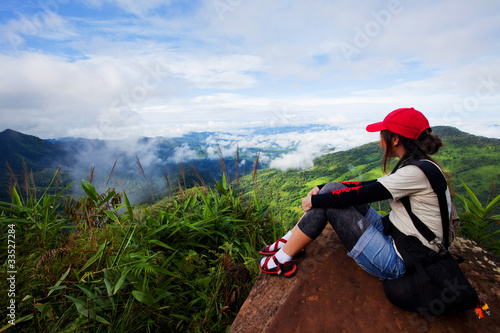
(429, 143)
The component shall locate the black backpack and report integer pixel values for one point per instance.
(433, 283)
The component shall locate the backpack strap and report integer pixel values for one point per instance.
(421, 227)
(439, 186)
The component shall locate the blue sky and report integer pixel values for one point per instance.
(113, 69)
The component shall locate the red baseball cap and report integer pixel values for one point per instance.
(407, 122)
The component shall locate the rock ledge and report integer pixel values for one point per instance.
(331, 293)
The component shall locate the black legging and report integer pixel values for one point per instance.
(349, 223)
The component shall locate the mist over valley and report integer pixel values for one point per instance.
(145, 166)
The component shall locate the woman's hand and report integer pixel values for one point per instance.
(314, 191)
(306, 202)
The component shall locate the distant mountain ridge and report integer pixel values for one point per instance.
(156, 158)
(469, 156)
(19, 152)
(69, 152)
(16, 147)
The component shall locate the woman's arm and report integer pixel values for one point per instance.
(352, 184)
(348, 196)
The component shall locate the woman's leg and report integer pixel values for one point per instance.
(375, 252)
(297, 241)
(312, 224)
(349, 222)
(360, 230)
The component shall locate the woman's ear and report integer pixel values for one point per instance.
(395, 141)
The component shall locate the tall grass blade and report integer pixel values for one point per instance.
(17, 321)
(111, 173)
(95, 257)
(237, 164)
(160, 243)
(90, 177)
(222, 162)
(492, 205)
(254, 171)
(143, 173)
(124, 244)
(168, 182)
(60, 280)
(16, 199)
(197, 174)
(470, 206)
(182, 173)
(90, 190)
(12, 177)
(112, 216)
(52, 182)
(25, 179)
(473, 197)
(130, 211)
(120, 281)
(33, 186)
(143, 297)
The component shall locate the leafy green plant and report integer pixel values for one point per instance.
(94, 209)
(105, 266)
(36, 221)
(478, 223)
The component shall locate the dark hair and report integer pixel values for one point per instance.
(426, 144)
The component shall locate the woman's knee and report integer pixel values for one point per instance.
(313, 222)
(331, 187)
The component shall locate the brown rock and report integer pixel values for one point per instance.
(331, 293)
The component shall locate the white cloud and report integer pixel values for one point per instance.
(300, 159)
(183, 153)
(221, 72)
(44, 23)
(174, 67)
(139, 8)
(296, 147)
(310, 145)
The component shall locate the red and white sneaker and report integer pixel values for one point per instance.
(288, 269)
(270, 250)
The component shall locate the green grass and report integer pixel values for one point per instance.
(101, 264)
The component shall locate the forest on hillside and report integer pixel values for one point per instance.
(468, 159)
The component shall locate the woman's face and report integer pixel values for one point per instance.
(383, 145)
(392, 147)
(389, 148)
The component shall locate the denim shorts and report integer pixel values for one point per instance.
(375, 252)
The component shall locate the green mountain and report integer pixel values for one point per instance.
(146, 168)
(16, 147)
(466, 157)
(140, 168)
(20, 152)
